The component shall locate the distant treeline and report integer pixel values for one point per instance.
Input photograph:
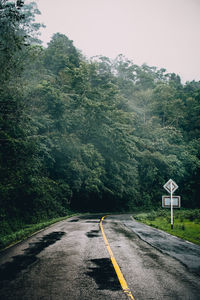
(93, 135)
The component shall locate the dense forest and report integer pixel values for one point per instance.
(88, 134)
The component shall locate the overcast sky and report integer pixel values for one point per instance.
(161, 33)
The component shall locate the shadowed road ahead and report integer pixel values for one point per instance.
(70, 261)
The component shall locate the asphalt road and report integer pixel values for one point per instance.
(70, 261)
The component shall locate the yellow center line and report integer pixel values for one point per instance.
(115, 264)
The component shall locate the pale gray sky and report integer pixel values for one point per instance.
(161, 33)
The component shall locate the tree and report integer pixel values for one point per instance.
(61, 54)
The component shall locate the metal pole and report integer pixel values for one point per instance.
(171, 205)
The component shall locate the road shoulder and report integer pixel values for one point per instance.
(184, 251)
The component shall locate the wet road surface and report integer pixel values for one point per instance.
(69, 260)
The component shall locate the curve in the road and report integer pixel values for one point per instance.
(120, 276)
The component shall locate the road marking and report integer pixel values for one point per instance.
(115, 264)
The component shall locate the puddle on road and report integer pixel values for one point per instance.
(125, 232)
(92, 221)
(153, 256)
(104, 274)
(91, 217)
(75, 220)
(92, 233)
(9, 270)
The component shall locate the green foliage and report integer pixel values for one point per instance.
(61, 54)
(88, 135)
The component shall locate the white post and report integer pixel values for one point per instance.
(171, 205)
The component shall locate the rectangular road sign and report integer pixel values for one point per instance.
(166, 201)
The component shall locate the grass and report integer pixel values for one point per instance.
(16, 236)
(186, 222)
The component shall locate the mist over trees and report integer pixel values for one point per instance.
(88, 135)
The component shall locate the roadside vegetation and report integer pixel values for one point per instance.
(24, 231)
(186, 222)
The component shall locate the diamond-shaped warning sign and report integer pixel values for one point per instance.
(170, 186)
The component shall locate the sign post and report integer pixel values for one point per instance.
(171, 186)
(171, 194)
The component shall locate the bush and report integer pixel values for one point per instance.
(152, 216)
